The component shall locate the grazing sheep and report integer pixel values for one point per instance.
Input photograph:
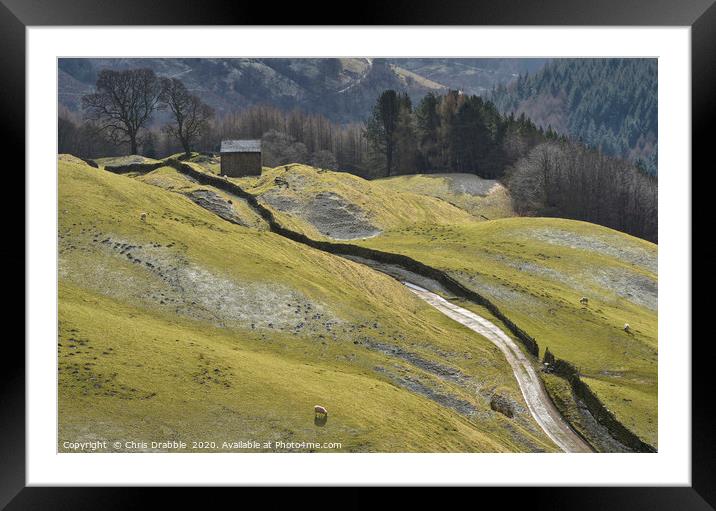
(584, 300)
(320, 410)
(143, 217)
(627, 329)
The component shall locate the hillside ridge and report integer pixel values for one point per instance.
(597, 408)
(257, 329)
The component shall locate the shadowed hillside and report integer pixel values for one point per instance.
(610, 104)
(342, 89)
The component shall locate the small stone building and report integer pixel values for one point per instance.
(241, 158)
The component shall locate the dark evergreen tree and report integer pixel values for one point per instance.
(382, 126)
(406, 143)
(610, 104)
(428, 128)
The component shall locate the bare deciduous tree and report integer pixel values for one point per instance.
(123, 103)
(191, 115)
(568, 180)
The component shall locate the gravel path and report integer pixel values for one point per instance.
(538, 402)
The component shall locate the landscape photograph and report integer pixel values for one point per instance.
(357, 255)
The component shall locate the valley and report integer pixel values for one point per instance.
(259, 328)
(188, 325)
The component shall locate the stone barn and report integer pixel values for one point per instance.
(241, 158)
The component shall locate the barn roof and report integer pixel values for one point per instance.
(240, 146)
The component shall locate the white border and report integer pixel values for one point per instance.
(671, 465)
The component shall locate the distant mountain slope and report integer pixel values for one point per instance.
(472, 76)
(607, 103)
(343, 90)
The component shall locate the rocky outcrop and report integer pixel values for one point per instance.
(503, 405)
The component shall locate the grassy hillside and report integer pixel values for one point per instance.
(535, 269)
(485, 199)
(191, 327)
(124, 160)
(227, 206)
(336, 205)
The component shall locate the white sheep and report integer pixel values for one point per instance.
(143, 217)
(627, 328)
(584, 300)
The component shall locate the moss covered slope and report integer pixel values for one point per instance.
(189, 327)
(534, 269)
(484, 199)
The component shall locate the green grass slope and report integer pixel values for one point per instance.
(324, 204)
(485, 199)
(124, 160)
(228, 206)
(535, 269)
(188, 327)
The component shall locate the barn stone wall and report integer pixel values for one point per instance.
(241, 164)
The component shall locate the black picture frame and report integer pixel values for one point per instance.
(17, 15)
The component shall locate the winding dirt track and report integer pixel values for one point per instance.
(538, 402)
